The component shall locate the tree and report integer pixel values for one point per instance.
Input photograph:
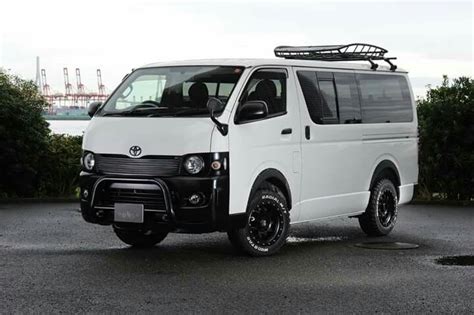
(23, 136)
(446, 122)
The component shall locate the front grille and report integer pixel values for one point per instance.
(151, 196)
(147, 166)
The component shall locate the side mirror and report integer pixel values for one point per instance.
(93, 107)
(214, 105)
(252, 110)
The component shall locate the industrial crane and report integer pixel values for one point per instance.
(101, 86)
(67, 84)
(74, 96)
(46, 90)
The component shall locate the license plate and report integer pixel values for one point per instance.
(128, 212)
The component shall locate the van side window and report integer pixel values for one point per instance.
(311, 94)
(328, 99)
(385, 98)
(347, 97)
(320, 98)
(268, 85)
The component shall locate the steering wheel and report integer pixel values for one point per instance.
(150, 102)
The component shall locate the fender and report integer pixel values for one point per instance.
(272, 176)
(383, 166)
(276, 178)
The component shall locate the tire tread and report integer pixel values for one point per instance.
(368, 220)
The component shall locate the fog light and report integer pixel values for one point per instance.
(85, 193)
(196, 199)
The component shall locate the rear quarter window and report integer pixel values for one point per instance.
(385, 98)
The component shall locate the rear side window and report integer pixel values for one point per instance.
(330, 98)
(312, 96)
(348, 97)
(385, 98)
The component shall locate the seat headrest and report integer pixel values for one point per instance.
(198, 92)
(266, 87)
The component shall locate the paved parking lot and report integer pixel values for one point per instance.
(52, 261)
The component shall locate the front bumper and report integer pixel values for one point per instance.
(165, 201)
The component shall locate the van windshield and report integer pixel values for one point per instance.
(171, 91)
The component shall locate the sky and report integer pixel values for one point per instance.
(429, 38)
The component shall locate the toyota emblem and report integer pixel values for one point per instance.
(135, 150)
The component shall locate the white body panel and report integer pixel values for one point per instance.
(258, 146)
(339, 161)
(156, 136)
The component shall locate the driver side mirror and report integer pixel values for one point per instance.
(252, 110)
(214, 105)
(93, 107)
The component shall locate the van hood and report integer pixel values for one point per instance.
(155, 136)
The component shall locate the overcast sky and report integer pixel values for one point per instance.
(429, 38)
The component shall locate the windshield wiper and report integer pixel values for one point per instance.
(191, 111)
(140, 108)
(183, 112)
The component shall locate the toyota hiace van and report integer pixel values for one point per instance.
(251, 146)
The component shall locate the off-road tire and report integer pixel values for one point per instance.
(265, 203)
(383, 200)
(140, 239)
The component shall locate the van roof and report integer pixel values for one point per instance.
(273, 62)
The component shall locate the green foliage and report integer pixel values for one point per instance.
(33, 162)
(446, 121)
(59, 175)
(23, 136)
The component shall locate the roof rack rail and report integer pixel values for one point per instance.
(351, 52)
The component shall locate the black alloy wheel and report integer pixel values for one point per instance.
(386, 207)
(265, 223)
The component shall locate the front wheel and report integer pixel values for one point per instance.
(381, 214)
(267, 226)
(142, 239)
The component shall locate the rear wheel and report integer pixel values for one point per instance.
(138, 238)
(381, 214)
(267, 226)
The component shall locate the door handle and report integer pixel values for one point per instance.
(307, 132)
(286, 131)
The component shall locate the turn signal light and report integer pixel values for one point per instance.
(216, 165)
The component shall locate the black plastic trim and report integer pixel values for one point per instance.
(212, 215)
(275, 177)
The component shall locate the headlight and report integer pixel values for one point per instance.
(88, 161)
(194, 164)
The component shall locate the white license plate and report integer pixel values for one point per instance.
(128, 212)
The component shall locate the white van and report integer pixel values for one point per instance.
(249, 147)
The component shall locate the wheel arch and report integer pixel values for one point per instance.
(276, 178)
(386, 168)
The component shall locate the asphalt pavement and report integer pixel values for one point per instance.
(51, 261)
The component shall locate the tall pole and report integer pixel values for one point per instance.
(38, 74)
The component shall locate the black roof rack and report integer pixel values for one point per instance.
(351, 52)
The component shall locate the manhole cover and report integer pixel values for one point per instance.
(387, 245)
(467, 260)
